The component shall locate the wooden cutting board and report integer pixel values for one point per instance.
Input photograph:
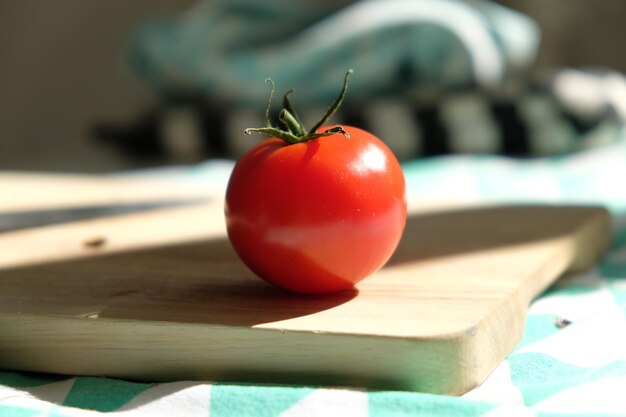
(162, 296)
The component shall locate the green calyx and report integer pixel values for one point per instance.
(294, 131)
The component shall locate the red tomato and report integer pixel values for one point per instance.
(316, 216)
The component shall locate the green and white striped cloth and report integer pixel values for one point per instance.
(571, 361)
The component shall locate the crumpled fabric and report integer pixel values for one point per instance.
(222, 50)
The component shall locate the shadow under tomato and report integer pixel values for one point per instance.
(199, 282)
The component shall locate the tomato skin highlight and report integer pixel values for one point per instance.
(317, 216)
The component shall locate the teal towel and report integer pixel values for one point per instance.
(222, 50)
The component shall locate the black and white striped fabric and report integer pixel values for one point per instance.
(575, 110)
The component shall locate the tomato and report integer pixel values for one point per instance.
(316, 216)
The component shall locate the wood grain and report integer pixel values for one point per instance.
(166, 298)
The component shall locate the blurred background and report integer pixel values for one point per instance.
(107, 86)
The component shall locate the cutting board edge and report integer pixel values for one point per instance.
(425, 372)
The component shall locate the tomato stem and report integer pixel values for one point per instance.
(289, 107)
(291, 123)
(295, 131)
